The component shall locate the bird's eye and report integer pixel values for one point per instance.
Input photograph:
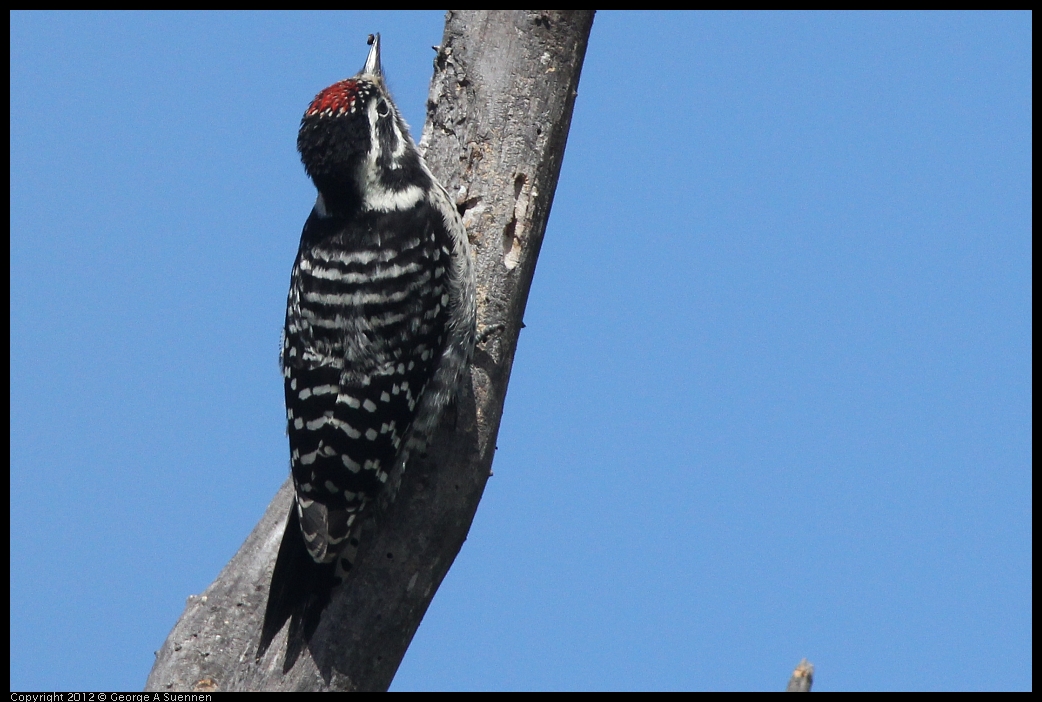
(381, 108)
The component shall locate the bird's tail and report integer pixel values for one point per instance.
(300, 590)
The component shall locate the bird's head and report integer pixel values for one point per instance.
(352, 140)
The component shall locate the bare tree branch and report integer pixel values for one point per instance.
(802, 678)
(499, 110)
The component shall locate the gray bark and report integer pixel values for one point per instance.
(802, 678)
(498, 114)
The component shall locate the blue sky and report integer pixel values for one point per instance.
(773, 399)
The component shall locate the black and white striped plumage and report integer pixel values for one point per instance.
(379, 327)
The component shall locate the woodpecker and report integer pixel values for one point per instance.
(380, 325)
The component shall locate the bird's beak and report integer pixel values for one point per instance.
(372, 62)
